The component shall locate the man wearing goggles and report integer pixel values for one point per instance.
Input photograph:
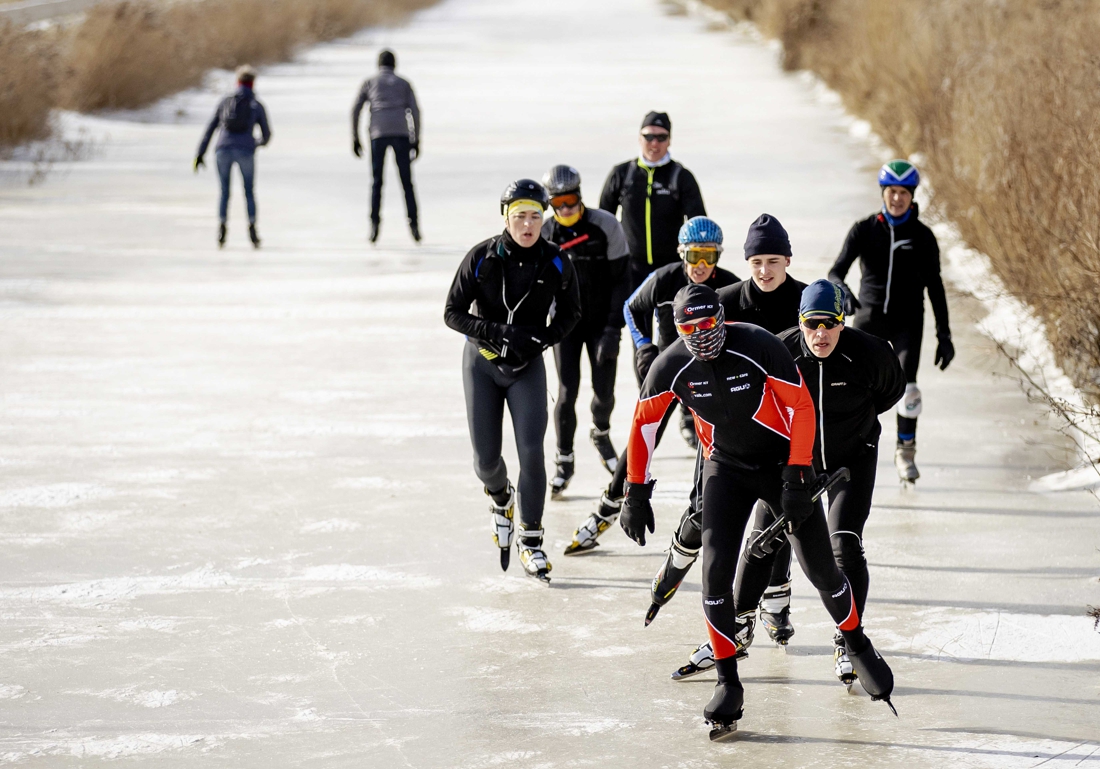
(594, 242)
(700, 246)
(756, 425)
(656, 195)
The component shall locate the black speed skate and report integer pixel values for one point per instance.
(563, 473)
(775, 614)
(670, 576)
(253, 236)
(874, 674)
(601, 439)
(724, 710)
(221, 235)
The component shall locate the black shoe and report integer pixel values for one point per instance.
(415, 230)
(563, 473)
(221, 235)
(253, 236)
(374, 232)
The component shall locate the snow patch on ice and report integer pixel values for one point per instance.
(149, 698)
(54, 495)
(610, 651)
(371, 576)
(122, 746)
(106, 591)
(363, 619)
(330, 526)
(479, 619)
(11, 692)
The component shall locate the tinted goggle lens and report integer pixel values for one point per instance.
(703, 324)
(813, 324)
(565, 201)
(651, 138)
(696, 255)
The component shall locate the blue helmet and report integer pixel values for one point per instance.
(700, 229)
(899, 173)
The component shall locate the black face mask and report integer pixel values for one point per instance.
(706, 345)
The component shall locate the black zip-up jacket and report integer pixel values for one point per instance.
(501, 284)
(656, 294)
(860, 379)
(655, 202)
(751, 408)
(774, 311)
(898, 264)
(599, 259)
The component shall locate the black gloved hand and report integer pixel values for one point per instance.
(200, 162)
(637, 513)
(851, 304)
(525, 342)
(414, 150)
(797, 501)
(643, 359)
(607, 349)
(356, 147)
(945, 352)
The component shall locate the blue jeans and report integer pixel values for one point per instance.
(244, 159)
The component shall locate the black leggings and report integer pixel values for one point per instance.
(905, 337)
(849, 507)
(488, 388)
(567, 357)
(729, 495)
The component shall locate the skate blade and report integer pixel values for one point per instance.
(652, 613)
(575, 548)
(609, 465)
(907, 485)
(848, 683)
(689, 670)
(558, 494)
(722, 732)
(505, 558)
(542, 576)
(889, 705)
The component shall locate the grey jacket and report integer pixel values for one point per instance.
(390, 98)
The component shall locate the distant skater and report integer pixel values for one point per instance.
(237, 116)
(394, 122)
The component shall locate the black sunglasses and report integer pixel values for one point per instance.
(656, 137)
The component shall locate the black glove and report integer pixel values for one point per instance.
(945, 352)
(797, 502)
(356, 147)
(637, 513)
(607, 349)
(643, 359)
(851, 304)
(414, 150)
(524, 342)
(200, 162)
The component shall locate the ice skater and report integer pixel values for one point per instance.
(594, 242)
(899, 259)
(511, 281)
(394, 122)
(237, 116)
(700, 246)
(756, 423)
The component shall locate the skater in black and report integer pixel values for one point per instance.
(236, 120)
(656, 195)
(594, 242)
(769, 299)
(756, 424)
(700, 247)
(511, 281)
(900, 260)
(394, 122)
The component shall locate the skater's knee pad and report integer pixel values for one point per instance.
(848, 551)
(910, 404)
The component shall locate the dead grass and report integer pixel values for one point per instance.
(1003, 101)
(128, 53)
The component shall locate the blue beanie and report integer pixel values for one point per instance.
(822, 298)
(767, 236)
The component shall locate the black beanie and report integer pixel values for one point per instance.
(659, 119)
(767, 236)
(387, 59)
(695, 301)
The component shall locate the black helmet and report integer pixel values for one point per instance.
(561, 180)
(524, 189)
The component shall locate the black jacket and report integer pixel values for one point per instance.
(751, 407)
(673, 196)
(506, 285)
(898, 265)
(775, 311)
(600, 262)
(655, 295)
(860, 379)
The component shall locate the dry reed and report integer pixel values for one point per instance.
(1003, 101)
(28, 88)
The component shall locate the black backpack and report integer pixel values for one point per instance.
(237, 113)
